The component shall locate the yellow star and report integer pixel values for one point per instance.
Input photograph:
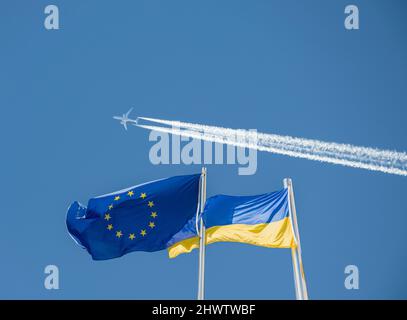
(151, 225)
(143, 232)
(109, 227)
(107, 217)
(130, 193)
(154, 214)
(111, 207)
(132, 236)
(119, 234)
(150, 204)
(143, 195)
(117, 198)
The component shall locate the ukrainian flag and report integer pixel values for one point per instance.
(261, 220)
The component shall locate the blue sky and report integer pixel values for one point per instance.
(284, 67)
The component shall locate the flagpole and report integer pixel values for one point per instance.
(202, 238)
(299, 275)
(296, 272)
(294, 256)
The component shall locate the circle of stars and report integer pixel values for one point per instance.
(131, 236)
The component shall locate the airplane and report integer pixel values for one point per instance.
(124, 119)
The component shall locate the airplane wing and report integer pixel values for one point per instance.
(128, 112)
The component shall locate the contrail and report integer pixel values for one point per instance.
(344, 154)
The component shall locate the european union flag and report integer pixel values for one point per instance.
(139, 218)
